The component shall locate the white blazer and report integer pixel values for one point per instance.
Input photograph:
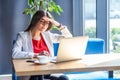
(23, 44)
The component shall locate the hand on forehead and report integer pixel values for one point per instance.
(46, 18)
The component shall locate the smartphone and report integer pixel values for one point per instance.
(30, 60)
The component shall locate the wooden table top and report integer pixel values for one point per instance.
(96, 62)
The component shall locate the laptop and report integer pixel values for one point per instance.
(71, 49)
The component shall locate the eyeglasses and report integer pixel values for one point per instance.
(43, 22)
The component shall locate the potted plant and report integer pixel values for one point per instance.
(47, 5)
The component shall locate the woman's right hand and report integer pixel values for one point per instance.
(35, 55)
(45, 53)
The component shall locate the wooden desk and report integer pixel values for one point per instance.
(97, 62)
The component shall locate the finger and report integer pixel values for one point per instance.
(46, 18)
(46, 54)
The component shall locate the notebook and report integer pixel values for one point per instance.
(71, 49)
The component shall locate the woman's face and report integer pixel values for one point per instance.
(43, 24)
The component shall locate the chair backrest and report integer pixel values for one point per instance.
(14, 76)
(55, 45)
(94, 46)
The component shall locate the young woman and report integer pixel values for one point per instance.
(37, 38)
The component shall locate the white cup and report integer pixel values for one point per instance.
(43, 59)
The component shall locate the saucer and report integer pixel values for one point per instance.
(42, 62)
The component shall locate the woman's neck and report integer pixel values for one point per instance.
(35, 34)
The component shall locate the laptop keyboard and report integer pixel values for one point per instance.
(53, 59)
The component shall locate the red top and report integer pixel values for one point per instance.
(39, 46)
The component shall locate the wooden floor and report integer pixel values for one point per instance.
(117, 73)
(9, 77)
(5, 77)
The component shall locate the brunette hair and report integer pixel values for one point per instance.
(37, 16)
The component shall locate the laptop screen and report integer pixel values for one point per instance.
(71, 48)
